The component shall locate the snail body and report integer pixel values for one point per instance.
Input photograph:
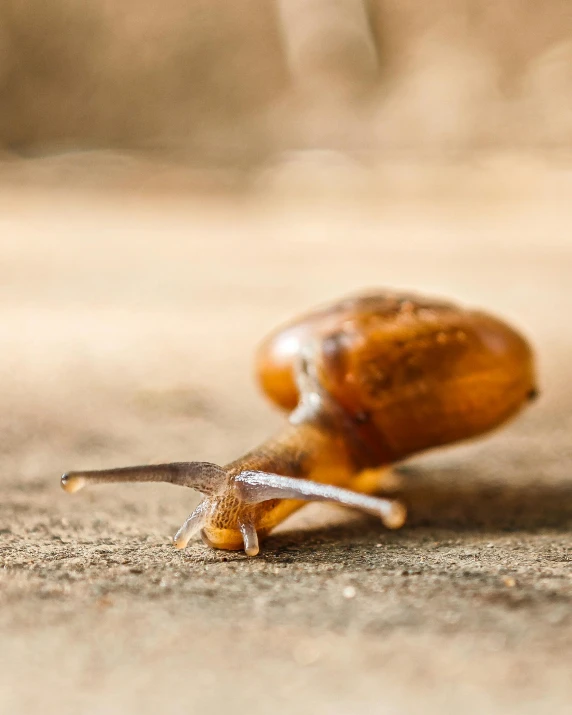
(367, 382)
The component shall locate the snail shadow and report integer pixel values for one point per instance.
(447, 499)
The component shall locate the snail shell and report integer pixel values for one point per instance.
(411, 373)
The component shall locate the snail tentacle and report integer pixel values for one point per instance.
(254, 487)
(205, 477)
(193, 524)
(249, 536)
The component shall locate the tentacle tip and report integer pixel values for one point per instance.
(252, 550)
(71, 483)
(395, 518)
(180, 542)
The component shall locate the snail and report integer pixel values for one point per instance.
(367, 382)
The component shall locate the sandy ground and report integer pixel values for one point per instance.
(128, 320)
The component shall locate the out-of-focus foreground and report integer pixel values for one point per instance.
(134, 288)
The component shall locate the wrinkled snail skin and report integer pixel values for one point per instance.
(368, 381)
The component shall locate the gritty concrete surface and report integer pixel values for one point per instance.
(128, 321)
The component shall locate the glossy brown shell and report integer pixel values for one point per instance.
(411, 373)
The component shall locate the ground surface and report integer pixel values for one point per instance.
(128, 320)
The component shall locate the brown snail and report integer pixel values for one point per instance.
(368, 381)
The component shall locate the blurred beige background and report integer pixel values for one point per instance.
(175, 181)
(231, 81)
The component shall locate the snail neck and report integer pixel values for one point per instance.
(309, 449)
(305, 450)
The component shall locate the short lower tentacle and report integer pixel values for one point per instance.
(192, 526)
(250, 537)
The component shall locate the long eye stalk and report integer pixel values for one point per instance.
(205, 477)
(255, 487)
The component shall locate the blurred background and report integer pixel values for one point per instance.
(230, 83)
(175, 181)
